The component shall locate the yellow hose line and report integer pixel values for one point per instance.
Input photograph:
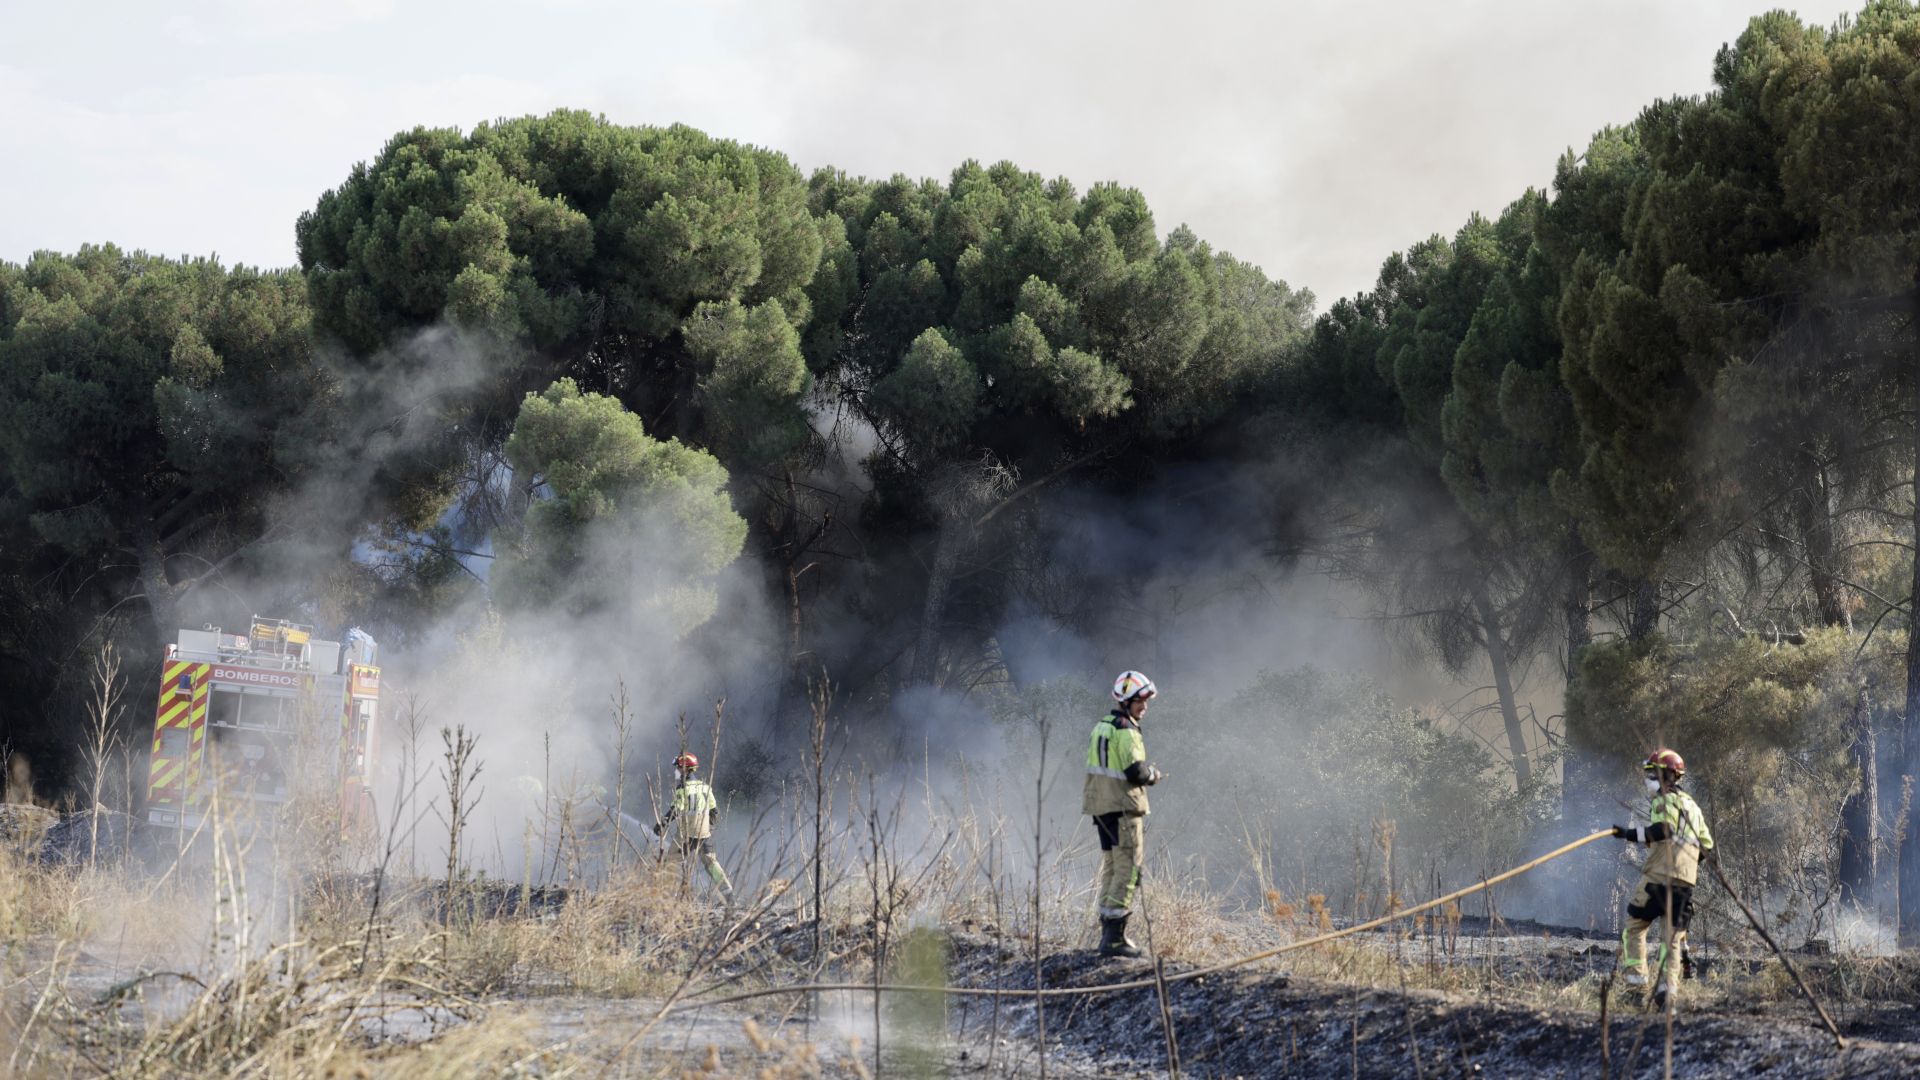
(1146, 984)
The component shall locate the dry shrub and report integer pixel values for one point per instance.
(109, 911)
(36, 903)
(1317, 911)
(626, 938)
(505, 1043)
(1188, 924)
(295, 1008)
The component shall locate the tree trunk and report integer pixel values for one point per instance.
(161, 594)
(686, 394)
(1860, 814)
(795, 623)
(1859, 817)
(1578, 769)
(1643, 609)
(790, 691)
(933, 612)
(787, 544)
(1910, 756)
(1824, 562)
(795, 611)
(1584, 783)
(1496, 643)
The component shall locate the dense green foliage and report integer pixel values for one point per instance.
(144, 397)
(152, 407)
(620, 505)
(662, 266)
(1058, 311)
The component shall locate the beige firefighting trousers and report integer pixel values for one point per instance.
(1671, 906)
(716, 872)
(1122, 853)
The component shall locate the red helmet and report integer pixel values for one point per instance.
(686, 762)
(1664, 758)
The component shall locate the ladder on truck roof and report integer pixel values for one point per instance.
(278, 637)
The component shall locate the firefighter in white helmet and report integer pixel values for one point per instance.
(693, 807)
(1118, 776)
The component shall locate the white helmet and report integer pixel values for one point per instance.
(1132, 684)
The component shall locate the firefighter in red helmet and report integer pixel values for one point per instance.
(1677, 841)
(693, 807)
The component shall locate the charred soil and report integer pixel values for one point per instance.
(1265, 1022)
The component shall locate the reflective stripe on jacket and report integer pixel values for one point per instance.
(1116, 744)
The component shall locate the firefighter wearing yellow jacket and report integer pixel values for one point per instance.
(1118, 776)
(693, 807)
(1677, 840)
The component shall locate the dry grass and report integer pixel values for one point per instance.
(335, 1003)
(342, 998)
(626, 938)
(216, 965)
(242, 957)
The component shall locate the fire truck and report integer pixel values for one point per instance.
(246, 710)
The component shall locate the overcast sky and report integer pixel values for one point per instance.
(1310, 138)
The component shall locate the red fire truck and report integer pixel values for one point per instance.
(246, 709)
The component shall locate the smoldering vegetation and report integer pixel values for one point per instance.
(288, 945)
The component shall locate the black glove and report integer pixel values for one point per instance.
(658, 829)
(1621, 832)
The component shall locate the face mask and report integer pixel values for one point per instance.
(1653, 786)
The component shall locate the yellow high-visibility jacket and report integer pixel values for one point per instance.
(693, 806)
(1116, 768)
(1674, 859)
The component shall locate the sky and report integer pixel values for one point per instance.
(1312, 139)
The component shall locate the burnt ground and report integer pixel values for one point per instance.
(1259, 1022)
(1740, 1019)
(1265, 1022)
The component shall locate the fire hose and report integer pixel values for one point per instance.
(1148, 984)
(1266, 954)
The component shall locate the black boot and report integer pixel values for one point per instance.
(1113, 939)
(1662, 998)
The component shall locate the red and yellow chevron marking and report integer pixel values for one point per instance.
(171, 775)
